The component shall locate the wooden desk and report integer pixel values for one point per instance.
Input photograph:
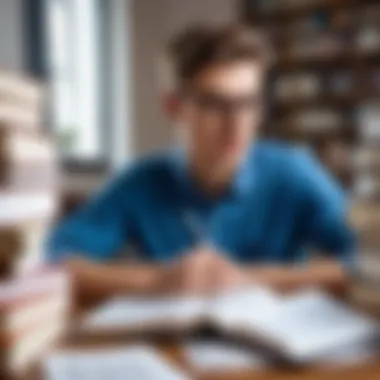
(171, 351)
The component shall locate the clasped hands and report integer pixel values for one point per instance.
(201, 271)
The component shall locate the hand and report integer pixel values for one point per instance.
(202, 271)
(227, 276)
(188, 275)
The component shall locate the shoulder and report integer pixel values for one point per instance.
(283, 157)
(296, 167)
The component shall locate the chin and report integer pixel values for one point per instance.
(232, 156)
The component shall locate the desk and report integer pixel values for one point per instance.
(172, 352)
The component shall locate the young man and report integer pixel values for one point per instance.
(222, 209)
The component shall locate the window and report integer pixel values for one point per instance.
(73, 37)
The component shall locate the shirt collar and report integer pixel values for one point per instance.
(241, 183)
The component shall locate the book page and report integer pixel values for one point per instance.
(142, 312)
(310, 324)
(220, 356)
(247, 306)
(131, 363)
(351, 355)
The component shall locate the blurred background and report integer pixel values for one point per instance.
(96, 60)
(79, 97)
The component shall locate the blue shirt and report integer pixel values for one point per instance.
(280, 205)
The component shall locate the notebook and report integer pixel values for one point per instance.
(301, 327)
(131, 363)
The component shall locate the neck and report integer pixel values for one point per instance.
(212, 178)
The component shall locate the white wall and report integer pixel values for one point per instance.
(11, 44)
(153, 24)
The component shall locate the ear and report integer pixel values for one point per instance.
(171, 106)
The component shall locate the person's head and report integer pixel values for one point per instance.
(213, 88)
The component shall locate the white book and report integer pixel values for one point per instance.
(130, 363)
(17, 290)
(20, 89)
(308, 325)
(12, 115)
(21, 148)
(30, 347)
(300, 328)
(19, 207)
(55, 306)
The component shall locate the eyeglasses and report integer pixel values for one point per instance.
(222, 105)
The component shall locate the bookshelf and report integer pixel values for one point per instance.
(324, 92)
(325, 75)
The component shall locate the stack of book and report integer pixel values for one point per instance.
(28, 175)
(34, 310)
(33, 299)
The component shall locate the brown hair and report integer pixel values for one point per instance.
(201, 46)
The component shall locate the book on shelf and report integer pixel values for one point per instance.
(298, 328)
(364, 214)
(367, 187)
(367, 158)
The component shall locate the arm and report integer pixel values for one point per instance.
(92, 236)
(189, 274)
(93, 281)
(328, 274)
(323, 209)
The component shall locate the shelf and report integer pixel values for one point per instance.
(289, 13)
(346, 133)
(346, 59)
(325, 100)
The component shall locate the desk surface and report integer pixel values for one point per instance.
(172, 352)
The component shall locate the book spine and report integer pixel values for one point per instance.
(21, 90)
(26, 162)
(52, 306)
(22, 207)
(18, 290)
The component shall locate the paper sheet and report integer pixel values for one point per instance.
(310, 324)
(250, 305)
(131, 363)
(134, 312)
(212, 356)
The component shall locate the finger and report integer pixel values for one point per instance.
(197, 274)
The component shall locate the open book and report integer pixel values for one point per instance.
(129, 363)
(300, 328)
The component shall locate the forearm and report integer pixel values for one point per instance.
(94, 280)
(327, 274)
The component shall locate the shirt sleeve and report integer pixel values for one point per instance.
(324, 209)
(98, 230)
